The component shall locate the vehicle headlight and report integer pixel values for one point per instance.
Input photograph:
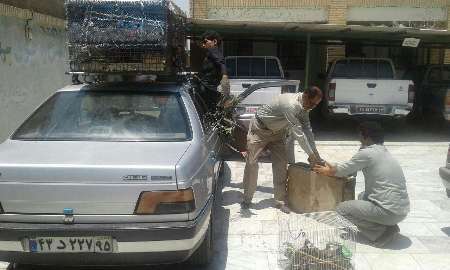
(165, 202)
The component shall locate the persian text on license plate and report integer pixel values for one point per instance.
(92, 244)
(370, 109)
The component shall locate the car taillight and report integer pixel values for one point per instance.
(331, 91)
(165, 202)
(411, 93)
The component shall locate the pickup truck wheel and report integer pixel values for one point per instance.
(203, 255)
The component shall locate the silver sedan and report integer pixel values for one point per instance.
(110, 174)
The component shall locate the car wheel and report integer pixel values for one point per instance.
(448, 192)
(203, 255)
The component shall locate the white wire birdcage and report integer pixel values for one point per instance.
(316, 241)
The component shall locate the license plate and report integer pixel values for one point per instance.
(370, 109)
(89, 244)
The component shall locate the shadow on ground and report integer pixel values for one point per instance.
(400, 242)
(346, 129)
(446, 230)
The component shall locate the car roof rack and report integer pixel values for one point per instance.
(79, 77)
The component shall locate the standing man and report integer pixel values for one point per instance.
(213, 71)
(385, 201)
(270, 127)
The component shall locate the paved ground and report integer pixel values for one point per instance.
(249, 239)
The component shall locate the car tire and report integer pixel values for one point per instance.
(448, 192)
(203, 255)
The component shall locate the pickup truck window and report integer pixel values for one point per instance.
(356, 68)
(253, 67)
(108, 116)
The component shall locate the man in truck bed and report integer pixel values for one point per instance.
(287, 113)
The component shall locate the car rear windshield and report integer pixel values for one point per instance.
(360, 68)
(108, 116)
(253, 67)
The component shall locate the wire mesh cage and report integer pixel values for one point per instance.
(125, 36)
(316, 241)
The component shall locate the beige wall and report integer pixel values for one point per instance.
(336, 10)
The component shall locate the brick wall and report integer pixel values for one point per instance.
(199, 9)
(335, 52)
(447, 57)
(436, 56)
(267, 3)
(397, 3)
(337, 8)
(337, 12)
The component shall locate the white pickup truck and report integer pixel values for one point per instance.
(366, 86)
(245, 71)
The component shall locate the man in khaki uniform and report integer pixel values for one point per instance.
(270, 127)
(385, 201)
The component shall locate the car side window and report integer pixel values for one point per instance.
(201, 109)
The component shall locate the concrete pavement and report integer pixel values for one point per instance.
(249, 239)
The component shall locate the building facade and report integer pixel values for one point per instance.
(417, 14)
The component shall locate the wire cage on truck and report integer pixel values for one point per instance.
(137, 36)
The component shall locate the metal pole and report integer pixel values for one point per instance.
(307, 61)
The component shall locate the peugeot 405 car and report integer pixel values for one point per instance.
(108, 174)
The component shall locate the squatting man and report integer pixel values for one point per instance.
(287, 114)
(384, 202)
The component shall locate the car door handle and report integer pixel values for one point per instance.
(371, 85)
(246, 85)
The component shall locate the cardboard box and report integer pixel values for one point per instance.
(311, 192)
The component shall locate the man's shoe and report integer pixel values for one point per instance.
(387, 236)
(282, 206)
(245, 205)
(278, 204)
(285, 209)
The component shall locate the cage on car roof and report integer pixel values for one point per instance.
(123, 36)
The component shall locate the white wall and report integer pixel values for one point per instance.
(30, 70)
(269, 14)
(385, 14)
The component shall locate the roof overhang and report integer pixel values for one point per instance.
(326, 33)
